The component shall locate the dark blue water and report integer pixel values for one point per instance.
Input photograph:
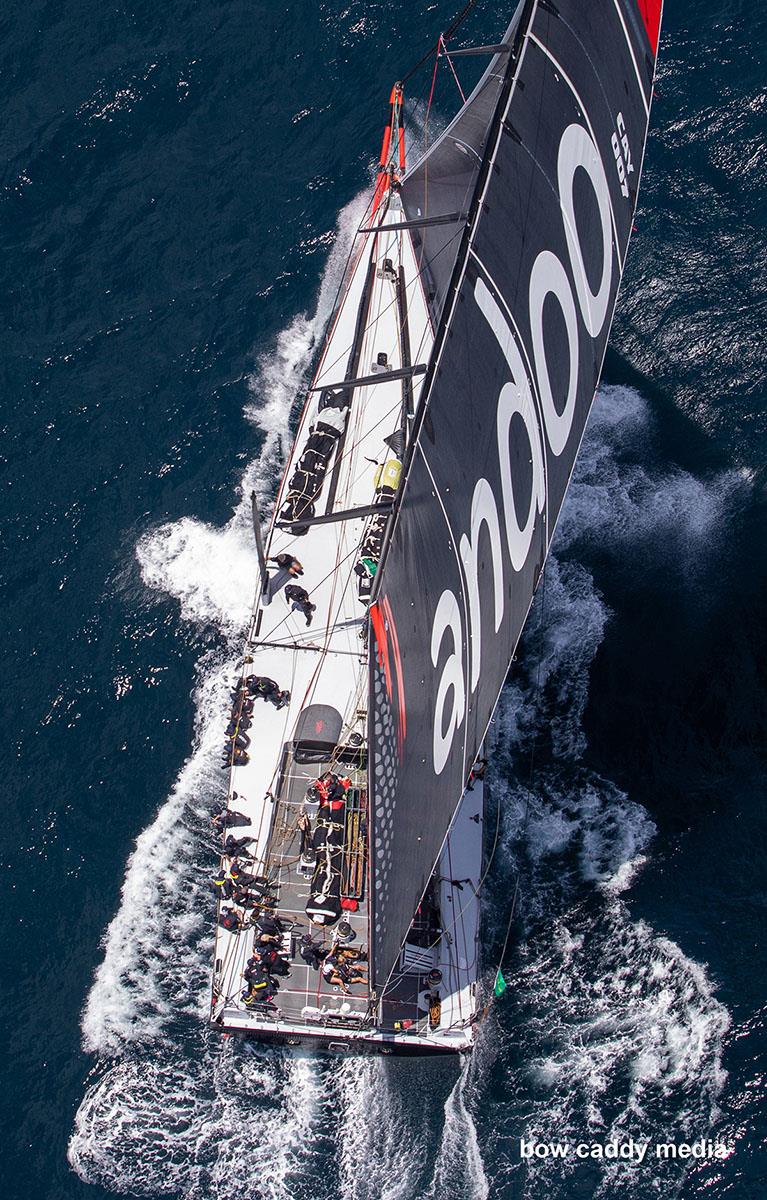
(171, 241)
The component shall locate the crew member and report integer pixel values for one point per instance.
(268, 924)
(230, 920)
(320, 789)
(235, 846)
(261, 987)
(266, 689)
(231, 877)
(477, 773)
(235, 756)
(337, 793)
(252, 895)
(287, 563)
(263, 941)
(338, 974)
(242, 703)
(298, 599)
(312, 952)
(224, 881)
(272, 961)
(288, 568)
(349, 954)
(256, 883)
(238, 724)
(255, 971)
(226, 818)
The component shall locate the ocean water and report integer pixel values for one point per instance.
(181, 182)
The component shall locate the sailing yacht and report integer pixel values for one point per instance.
(408, 537)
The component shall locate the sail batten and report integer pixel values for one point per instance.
(523, 319)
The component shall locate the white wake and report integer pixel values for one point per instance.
(172, 1110)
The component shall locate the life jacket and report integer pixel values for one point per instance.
(257, 992)
(323, 787)
(227, 875)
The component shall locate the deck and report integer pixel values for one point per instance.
(323, 665)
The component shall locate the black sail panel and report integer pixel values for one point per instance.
(443, 181)
(516, 363)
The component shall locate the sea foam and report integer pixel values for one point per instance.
(613, 1023)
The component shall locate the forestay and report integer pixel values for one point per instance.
(444, 180)
(516, 362)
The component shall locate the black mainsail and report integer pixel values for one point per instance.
(545, 158)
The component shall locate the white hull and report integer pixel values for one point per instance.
(326, 664)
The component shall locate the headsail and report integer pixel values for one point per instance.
(444, 180)
(516, 361)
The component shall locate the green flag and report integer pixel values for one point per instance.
(500, 984)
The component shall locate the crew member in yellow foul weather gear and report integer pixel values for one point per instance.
(261, 987)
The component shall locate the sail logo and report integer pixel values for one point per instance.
(622, 151)
(525, 401)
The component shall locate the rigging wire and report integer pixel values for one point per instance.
(347, 349)
(452, 68)
(448, 33)
(431, 97)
